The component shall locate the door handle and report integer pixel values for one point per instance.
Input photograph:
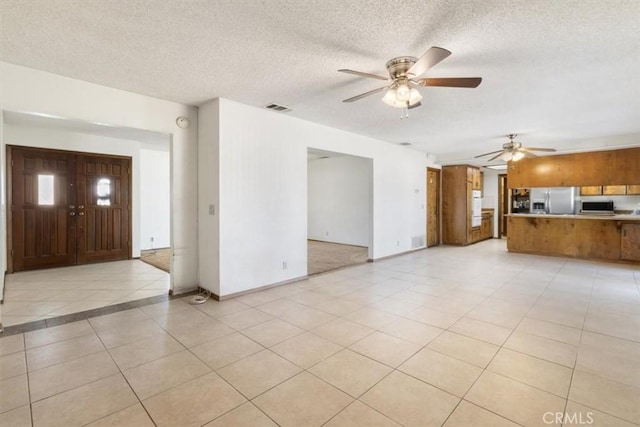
(81, 207)
(72, 214)
(71, 206)
(81, 213)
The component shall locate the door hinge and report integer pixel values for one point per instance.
(11, 162)
(12, 252)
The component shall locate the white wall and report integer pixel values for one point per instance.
(31, 91)
(339, 200)
(491, 197)
(263, 194)
(155, 203)
(209, 195)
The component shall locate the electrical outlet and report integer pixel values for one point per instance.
(326, 233)
(398, 243)
(284, 265)
(212, 209)
(152, 240)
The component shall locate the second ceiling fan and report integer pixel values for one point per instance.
(404, 77)
(514, 151)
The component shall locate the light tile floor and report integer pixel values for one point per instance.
(449, 336)
(42, 294)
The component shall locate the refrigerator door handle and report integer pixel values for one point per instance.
(547, 202)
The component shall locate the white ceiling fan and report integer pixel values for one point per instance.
(514, 151)
(404, 77)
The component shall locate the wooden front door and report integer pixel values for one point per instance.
(433, 207)
(67, 208)
(103, 210)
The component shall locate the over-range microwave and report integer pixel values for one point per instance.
(597, 207)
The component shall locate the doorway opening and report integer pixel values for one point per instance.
(433, 207)
(503, 205)
(339, 210)
(77, 247)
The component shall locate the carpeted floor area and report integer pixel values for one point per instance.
(325, 256)
(322, 256)
(158, 258)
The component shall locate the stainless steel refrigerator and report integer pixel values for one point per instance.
(553, 200)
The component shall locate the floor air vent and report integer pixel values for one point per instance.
(276, 107)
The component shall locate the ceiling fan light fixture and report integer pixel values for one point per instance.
(518, 155)
(403, 92)
(506, 156)
(392, 99)
(389, 97)
(414, 96)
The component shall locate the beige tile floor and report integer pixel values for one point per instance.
(448, 336)
(42, 294)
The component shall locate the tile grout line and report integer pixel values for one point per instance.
(26, 364)
(123, 376)
(378, 330)
(575, 363)
(577, 354)
(495, 354)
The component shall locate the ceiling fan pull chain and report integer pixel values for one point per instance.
(404, 113)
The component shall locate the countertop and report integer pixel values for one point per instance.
(619, 217)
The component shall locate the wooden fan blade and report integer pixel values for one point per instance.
(469, 82)
(487, 154)
(495, 157)
(431, 57)
(549, 150)
(361, 74)
(362, 95)
(416, 105)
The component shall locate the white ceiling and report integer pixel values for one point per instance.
(561, 73)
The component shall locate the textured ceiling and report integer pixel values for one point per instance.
(559, 72)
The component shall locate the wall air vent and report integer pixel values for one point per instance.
(404, 143)
(276, 107)
(418, 241)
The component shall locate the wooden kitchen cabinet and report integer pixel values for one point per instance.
(614, 190)
(477, 179)
(597, 239)
(598, 168)
(474, 177)
(592, 190)
(633, 189)
(457, 186)
(486, 226)
(630, 247)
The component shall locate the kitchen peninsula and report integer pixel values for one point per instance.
(614, 237)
